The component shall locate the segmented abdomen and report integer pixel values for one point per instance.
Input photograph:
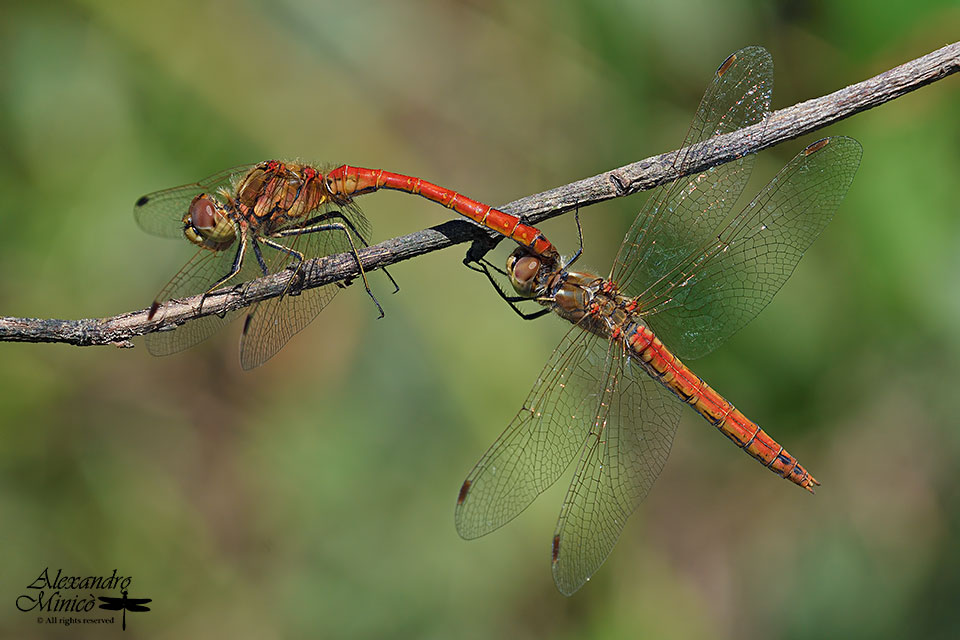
(352, 181)
(667, 368)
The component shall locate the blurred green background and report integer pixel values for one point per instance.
(314, 497)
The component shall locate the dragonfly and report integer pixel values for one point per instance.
(263, 218)
(124, 604)
(689, 273)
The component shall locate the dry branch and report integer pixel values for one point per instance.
(781, 125)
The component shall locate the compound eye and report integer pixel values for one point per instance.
(525, 269)
(203, 213)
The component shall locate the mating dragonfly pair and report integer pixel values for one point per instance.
(610, 395)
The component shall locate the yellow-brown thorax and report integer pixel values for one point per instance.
(271, 196)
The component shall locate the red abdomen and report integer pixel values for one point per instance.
(686, 385)
(350, 181)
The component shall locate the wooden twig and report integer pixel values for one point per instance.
(781, 125)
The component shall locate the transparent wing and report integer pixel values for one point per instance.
(679, 218)
(623, 455)
(715, 293)
(271, 323)
(161, 212)
(199, 274)
(541, 441)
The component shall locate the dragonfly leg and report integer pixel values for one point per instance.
(237, 262)
(470, 264)
(483, 266)
(576, 256)
(294, 287)
(337, 226)
(234, 270)
(260, 261)
(336, 214)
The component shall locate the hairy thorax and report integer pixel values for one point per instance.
(592, 302)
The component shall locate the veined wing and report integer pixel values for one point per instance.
(624, 453)
(541, 441)
(710, 296)
(203, 270)
(161, 212)
(271, 323)
(679, 218)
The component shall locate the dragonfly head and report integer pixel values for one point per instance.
(207, 224)
(528, 272)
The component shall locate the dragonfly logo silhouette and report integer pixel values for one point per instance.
(124, 604)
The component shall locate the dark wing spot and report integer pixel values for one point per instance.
(153, 310)
(726, 64)
(816, 146)
(143, 200)
(556, 548)
(246, 323)
(464, 490)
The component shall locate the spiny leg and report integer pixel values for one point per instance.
(576, 256)
(234, 270)
(296, 255)
(237, 263)
(260, 261)
(333, 226)
(323, 217)
(483, 266)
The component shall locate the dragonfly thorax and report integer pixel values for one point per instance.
(207, 224)
(274, 195)
(576, 295)
(571, 294)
